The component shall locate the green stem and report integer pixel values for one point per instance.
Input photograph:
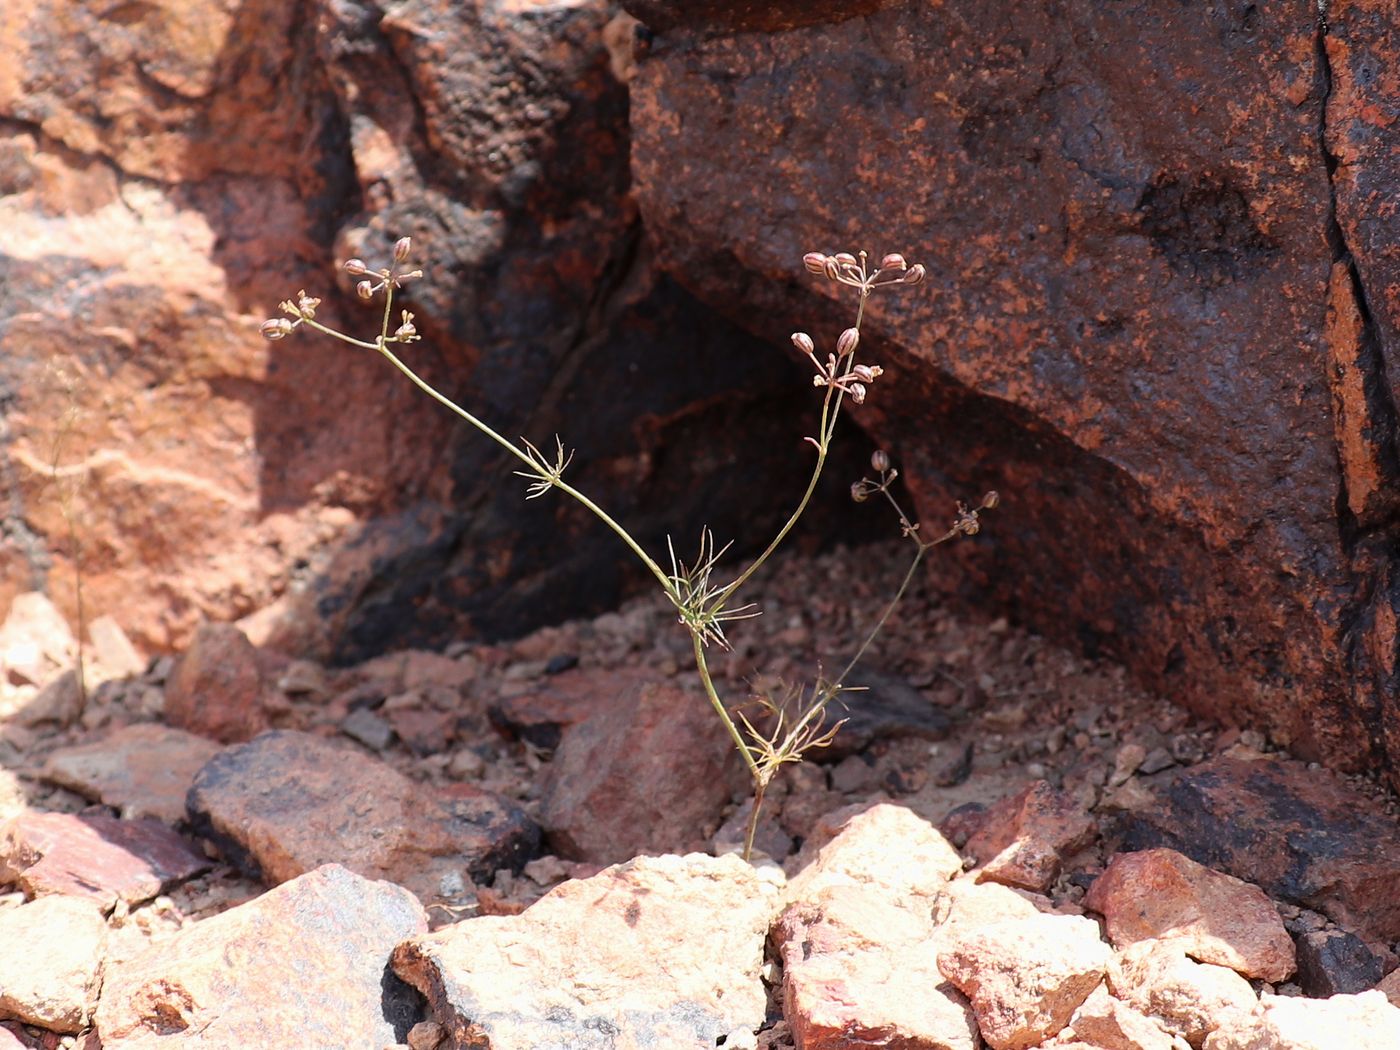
(758, 792)
(703, 667)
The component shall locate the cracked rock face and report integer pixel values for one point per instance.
(1159, 313)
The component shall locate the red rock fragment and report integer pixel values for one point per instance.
(94, 856)
(1162, 895)
(144, 770)
(1024, 838)
(216, 687)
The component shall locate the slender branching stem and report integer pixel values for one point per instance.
(702, 665)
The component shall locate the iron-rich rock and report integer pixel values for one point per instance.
(1022, 839)
(286, 803)
(216, 688)
(1336, 962)
(1302, 835)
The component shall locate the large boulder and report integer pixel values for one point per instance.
(1160, 315)
(170, 171)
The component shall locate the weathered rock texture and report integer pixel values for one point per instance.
(1161, 309)
(169, 172)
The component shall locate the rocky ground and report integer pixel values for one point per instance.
(1006, 846)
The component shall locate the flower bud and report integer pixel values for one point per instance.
(867, 373)
(803, 342)
(847, 343)
(858, 492)
(365, 289)
(355, 267)
(990, 500)
(844, 259)
(833, 268)
(406, 331)
(306, 304)
(880, 460)
(276, 328)
(857, 392)
(815, 262)
(402, 247)
(914, 274)
(893, 261)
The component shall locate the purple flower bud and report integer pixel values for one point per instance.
(803, 342)
(914, 274)
(365, 289)
(844, 259)
(880, 460)
(833, 268)
(858, 492)
(355, 267)
(867, 373)
(847, 343)
(990, 500)
(893, 261)
(402, 247)
(857, 392)
(815, 262)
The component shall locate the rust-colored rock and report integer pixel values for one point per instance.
(94, 856)
(286, 803)
(1161, 895)
(1302, 835)
(649, 772)
(1155, 320)
(1024, 838)
(144, 770)
(217, 687)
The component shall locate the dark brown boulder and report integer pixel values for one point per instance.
(1154, 319)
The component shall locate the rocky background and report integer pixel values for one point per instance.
(1160, 316)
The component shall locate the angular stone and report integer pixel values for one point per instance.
(216, 687)
(35, 640)
(860, 854)
(1025, 977)
(882, 706)
(646, 774)
(658, 952)
(288, 802)
(540, 715)
(59, 703)
(1024, 838)
(305, 964)
(425, 731)
(1335, 962)
(1161, 895)
(51, 953)
(1355, 1022)
(1302, 835)
(368, 728)
(94, 856)
(1191, 999)
(144, 770)
(113, 653)
(861, 968)
(1111, 1024)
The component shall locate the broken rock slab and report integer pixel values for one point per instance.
(305, 964)
(1023, 838)
(1191, 999)
(1356, 1022)
(143, 770)
(1300, 834)
(1159, 894)
(659, 952)
(1026, 976)
(94, 856)
(647, 773)
(287, 802)
(51, 955)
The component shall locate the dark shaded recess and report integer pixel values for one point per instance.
(400, 1004)
(728, 16)
(680, 420)
(1204, 228)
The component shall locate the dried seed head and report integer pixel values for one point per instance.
(365, 289)
(857, 392)
(893, 261)
(276, 328)
(402, 247)
(858, 492)
(867, 373)
(803, 342)
(406, 331)
(306, 304)
(880, 460)
(847, 343)
(355, 267)
(914, 274)
(815, 262)
(990, 500)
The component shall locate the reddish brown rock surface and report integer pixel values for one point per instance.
(217, 686)
(1160, 894)
(1154, 319)
(1024, 838)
